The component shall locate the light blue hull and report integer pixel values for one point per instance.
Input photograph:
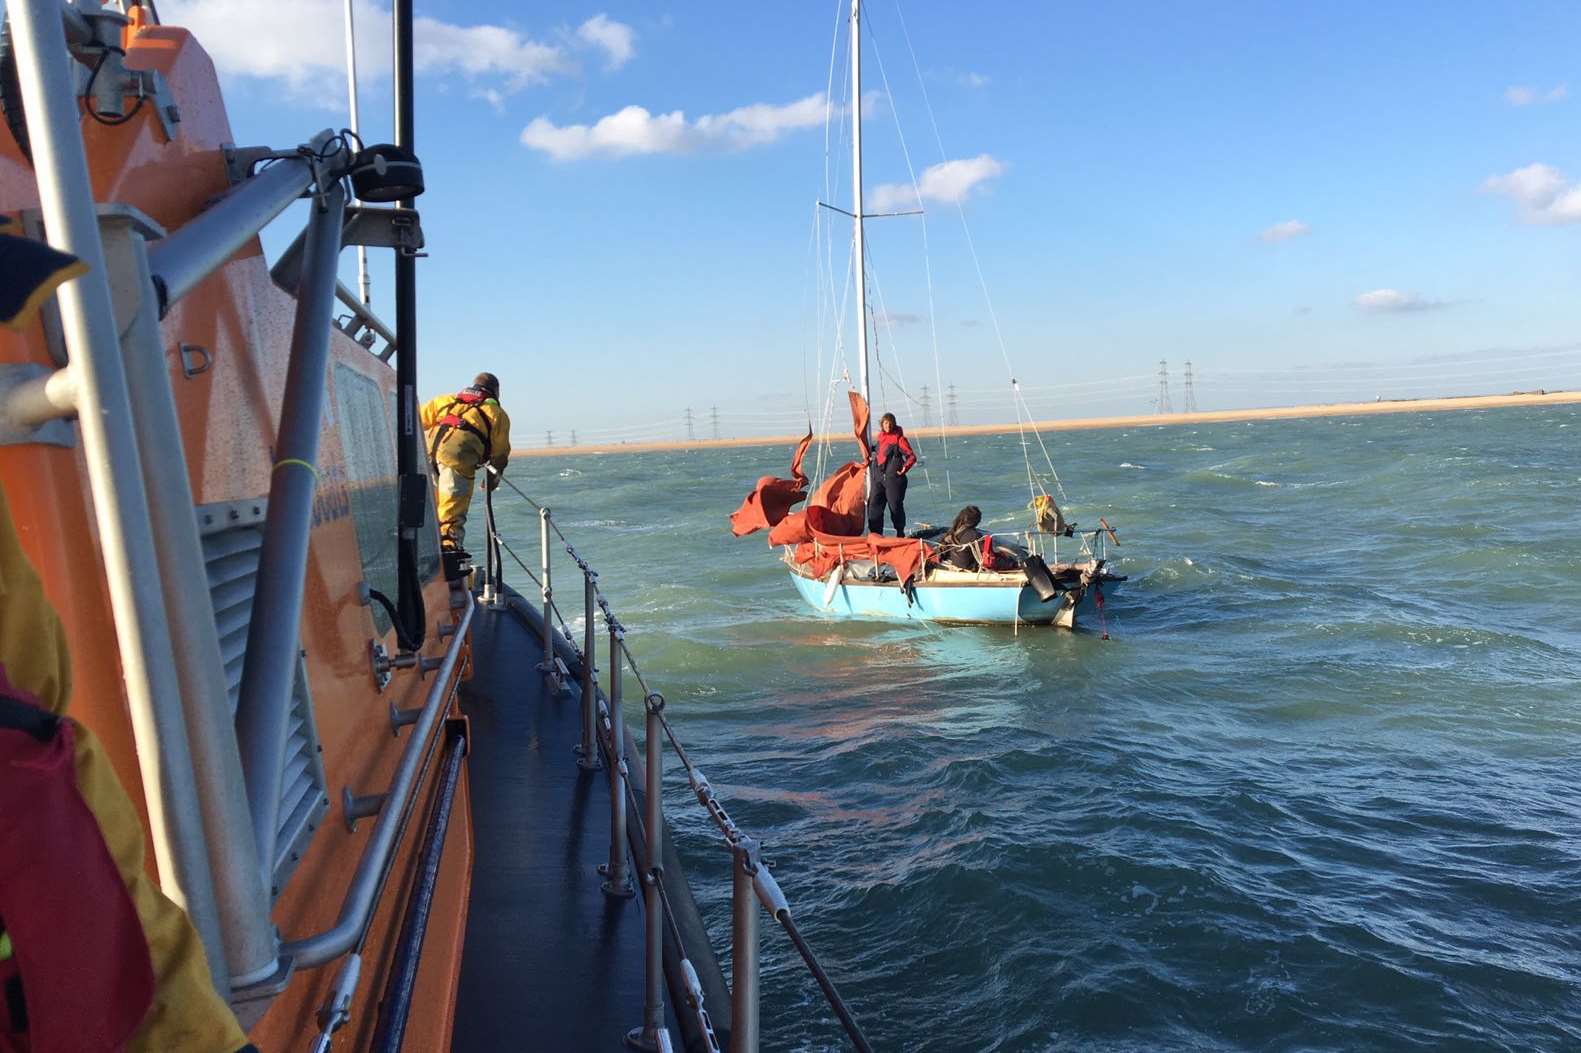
(972, 604)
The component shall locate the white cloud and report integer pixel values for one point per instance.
(302, 43)
(1393, 301)
(974, 80)
(1522, 95)
(1541, 193)
(1290, 228)
(616, 39)
(634, 130)
(441, 47)
(947, 182)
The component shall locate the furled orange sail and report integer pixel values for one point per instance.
(859, 420)
(772, 498)
(838, 506)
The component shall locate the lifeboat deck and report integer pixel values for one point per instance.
(550, 961)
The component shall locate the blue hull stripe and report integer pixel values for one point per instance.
(990, 604)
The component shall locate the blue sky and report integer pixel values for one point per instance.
(1307, 202)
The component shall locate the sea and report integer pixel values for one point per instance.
(1319, 788)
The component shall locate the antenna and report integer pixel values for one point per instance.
(714, 415)
(691, 429)
(1163, 405)
(952, 407)
(364, 285)
(1191, 394)
(925, 407)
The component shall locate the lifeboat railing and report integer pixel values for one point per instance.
(115, 383)
(603, 730)
(212, 784)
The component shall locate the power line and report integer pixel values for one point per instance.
(715, 414)
(1191, 394)
(925, 407)
(573, 436)
(548, 438)
(691, 428)
(1162, 403)
(952, 407)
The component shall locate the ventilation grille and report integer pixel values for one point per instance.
(232, 540)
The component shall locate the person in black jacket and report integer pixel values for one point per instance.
(892, 459)
(962, 544)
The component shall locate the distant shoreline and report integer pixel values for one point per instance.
(1333, 409)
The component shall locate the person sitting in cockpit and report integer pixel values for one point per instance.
(962, 547)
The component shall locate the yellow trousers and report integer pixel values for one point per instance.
(453, 496)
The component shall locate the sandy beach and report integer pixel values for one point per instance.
(1334, 409)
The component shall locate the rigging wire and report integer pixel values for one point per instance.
(817, 321)
(1021, 408)
(894, 354)
(927, 257)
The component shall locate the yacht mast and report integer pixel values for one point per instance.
(856, 206)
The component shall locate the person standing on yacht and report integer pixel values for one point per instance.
(466, 431)
(892, 459)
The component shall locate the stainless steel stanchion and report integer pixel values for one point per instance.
(615, 880)
(652, 1034)
(744, 863)
(587, 751)
(548, 592)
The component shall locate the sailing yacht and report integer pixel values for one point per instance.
(843, 572)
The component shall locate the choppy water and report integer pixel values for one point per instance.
(1318, 792)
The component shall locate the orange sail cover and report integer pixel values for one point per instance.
(772, 499)
(823, 552)
(837, 508)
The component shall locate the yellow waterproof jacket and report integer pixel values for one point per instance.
(463, 434)
(187, 1012)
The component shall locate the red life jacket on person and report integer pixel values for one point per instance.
(986, 558)
(893, 444)
(454, 418)
(77, 973)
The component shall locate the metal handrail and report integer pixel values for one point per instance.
(110, 457)
(361, 894)
(751, 878)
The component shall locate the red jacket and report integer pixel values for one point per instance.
(891, 444)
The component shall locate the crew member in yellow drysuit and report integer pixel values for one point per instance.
(174, 1008)
(465, 431)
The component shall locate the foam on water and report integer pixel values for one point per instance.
(1317, 792)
